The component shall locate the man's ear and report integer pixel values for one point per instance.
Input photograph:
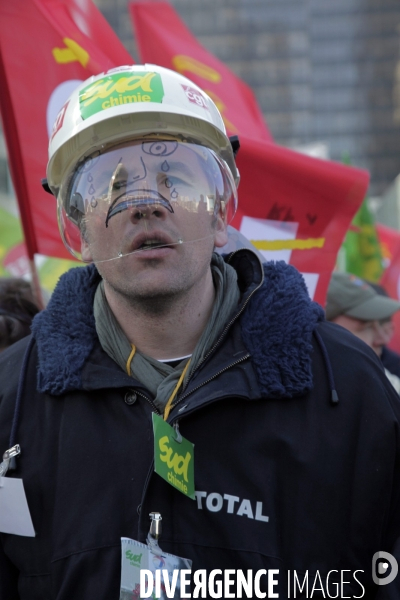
(221, 231)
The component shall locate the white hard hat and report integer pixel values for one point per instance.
(130, 116)
(128, 102)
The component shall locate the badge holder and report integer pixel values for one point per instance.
(15, 517)
(9, 459)
(173, 457)
(147, 571)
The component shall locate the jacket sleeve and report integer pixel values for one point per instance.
(9, 369)
(8, 578)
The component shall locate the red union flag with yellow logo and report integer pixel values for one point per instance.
(292, 207)
(47, 47)
(296, 208)
(164, 40)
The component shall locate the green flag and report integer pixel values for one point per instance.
(362, 251)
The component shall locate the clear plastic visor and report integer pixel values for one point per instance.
(144, 196)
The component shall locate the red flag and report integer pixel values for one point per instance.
(164, 39)
(296, 208)
(46, 48)
(291, 206)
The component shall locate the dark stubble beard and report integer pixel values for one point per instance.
(155, 303)
(151, 305)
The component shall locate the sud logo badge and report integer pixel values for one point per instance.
(118, 89)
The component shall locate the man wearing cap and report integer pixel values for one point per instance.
(165, 378)
(390, 359)
(357, 307)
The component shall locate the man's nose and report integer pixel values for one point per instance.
(149, 210)
(381, 336)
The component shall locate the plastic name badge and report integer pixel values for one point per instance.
(173, 458)
(15, 517)
(160, 572)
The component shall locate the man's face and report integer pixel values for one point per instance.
(374, 333)
(150, 225)
(384, 331)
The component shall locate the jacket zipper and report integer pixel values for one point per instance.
(211, 378)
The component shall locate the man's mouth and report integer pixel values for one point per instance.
(151, 241)
(150, 244)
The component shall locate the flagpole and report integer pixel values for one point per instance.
(35, 283)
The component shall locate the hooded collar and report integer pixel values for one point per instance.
(276, 327)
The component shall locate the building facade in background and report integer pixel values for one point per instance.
(326, 73)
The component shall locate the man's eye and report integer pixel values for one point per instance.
(173, 180)
(117, 185)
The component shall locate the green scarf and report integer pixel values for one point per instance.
(159, 378)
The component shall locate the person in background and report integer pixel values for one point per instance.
(358, 307)
(17, 309)
(389, 358)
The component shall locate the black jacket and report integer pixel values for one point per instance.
(286, 476)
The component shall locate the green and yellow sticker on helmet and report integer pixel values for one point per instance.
(119, 89)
